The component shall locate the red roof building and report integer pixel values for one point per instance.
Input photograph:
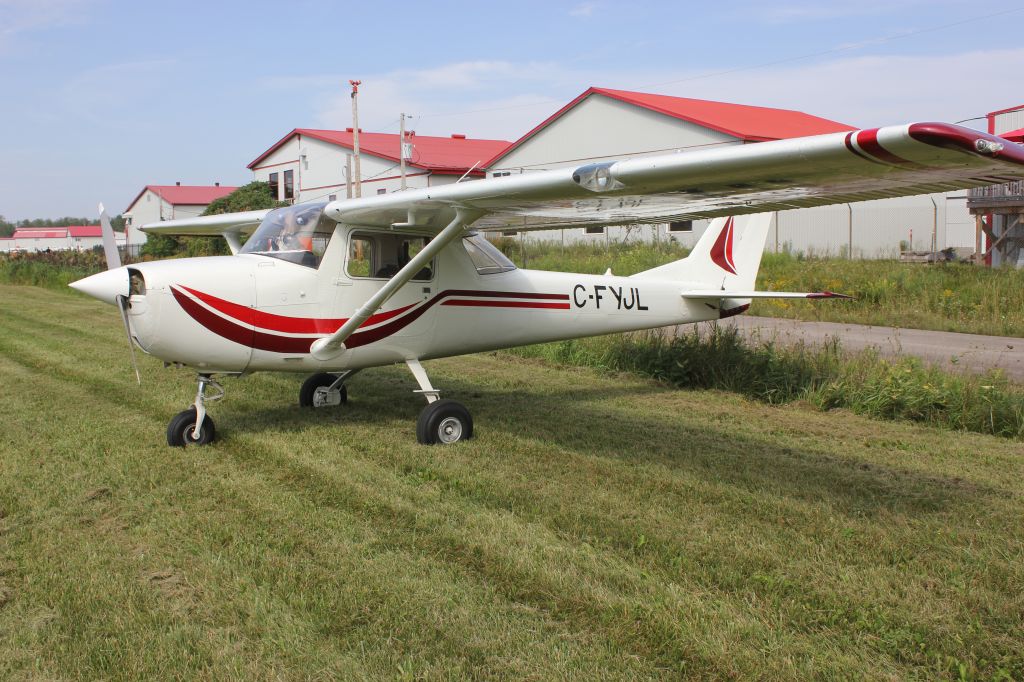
(619, 118)
(309, 164)
(56, 238)
(168, 202)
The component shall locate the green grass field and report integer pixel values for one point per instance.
(599, 527)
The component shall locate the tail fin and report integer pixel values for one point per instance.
(727, 256)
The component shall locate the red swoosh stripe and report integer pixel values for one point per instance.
(721, 250)
(282, 323)
(300, 345)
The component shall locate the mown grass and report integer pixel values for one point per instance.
(949, 297)
(599, 527)
(713, 357)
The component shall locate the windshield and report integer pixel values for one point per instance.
(298, 234)
(485, 256)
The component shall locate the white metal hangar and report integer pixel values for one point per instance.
(168, 202)
(602, 123)
(308, 164)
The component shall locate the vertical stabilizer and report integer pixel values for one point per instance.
(727, 256)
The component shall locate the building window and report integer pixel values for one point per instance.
(509, 233)
(681, 226)
(382, 191)
(501, 174)
(273, 186)
(289, 184)
(594, 230)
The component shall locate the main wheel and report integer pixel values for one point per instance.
(307, 394)
(181, 430)
(444, 421)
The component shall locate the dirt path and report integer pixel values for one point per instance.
(949, 350)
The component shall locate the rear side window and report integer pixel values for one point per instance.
(485, 256)
(360, 257)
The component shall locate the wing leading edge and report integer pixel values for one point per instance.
(877, 163)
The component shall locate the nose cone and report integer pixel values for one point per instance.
(104, 285)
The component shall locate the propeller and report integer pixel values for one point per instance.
(109, 245)
(113, 262)
(122, 305)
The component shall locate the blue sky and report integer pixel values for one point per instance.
(101, 97)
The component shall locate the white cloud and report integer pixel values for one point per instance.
(18, 16)
(584, 9)
(506, 99)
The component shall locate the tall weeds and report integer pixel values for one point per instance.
(713, 357)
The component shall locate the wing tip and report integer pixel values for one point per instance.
(950, 136)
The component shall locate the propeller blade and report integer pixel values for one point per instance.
(109, 244)
(122, 305)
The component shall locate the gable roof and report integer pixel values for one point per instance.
(40, 233)
(444, 155)
(185, 195)
(85, 231)
(742, 121)
(57, 232)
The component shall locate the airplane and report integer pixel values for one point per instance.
(333, 288)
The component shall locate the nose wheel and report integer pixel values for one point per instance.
(194, 426)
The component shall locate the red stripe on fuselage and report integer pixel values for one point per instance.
(283, 323)
(300, 345)
(506, 304)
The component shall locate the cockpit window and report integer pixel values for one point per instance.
(298, 234)
(485, 256)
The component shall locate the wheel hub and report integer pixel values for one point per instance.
(449, 430)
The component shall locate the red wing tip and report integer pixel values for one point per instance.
(969, 140)
(828, 294)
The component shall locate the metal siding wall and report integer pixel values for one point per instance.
(600, 127)
(1011, 120)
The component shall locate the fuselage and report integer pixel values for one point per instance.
(254, 312)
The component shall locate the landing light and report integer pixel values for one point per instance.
(988, 146)
(597, 177)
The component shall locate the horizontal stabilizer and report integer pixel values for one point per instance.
(715, 294)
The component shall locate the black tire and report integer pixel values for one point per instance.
(180, 431)
(314, 382)
(444, 421)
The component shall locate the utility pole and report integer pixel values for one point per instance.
(401, 146)
(355, 134)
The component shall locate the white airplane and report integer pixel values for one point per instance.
(333, 288)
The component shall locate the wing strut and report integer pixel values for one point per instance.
(333, 345)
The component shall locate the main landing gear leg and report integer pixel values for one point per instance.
(194, 426)
(441, 421)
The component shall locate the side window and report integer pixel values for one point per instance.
(289, 184)
(360, 256)
(486, 257)
(381, 256)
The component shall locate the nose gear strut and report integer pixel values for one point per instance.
(194, 426)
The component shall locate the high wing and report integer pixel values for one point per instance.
(877, 163)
